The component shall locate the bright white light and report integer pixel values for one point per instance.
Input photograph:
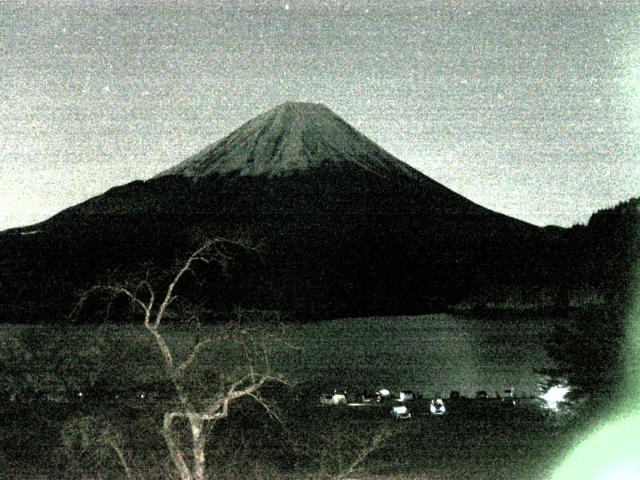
(384, 392)
(624, 471)
(610, 453)
(555, 395)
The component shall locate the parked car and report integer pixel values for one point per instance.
(383, 394)
(370, 398)
(482, 395)
(400, 411)
(508, 398)
(436, 407)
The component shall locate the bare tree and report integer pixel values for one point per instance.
(361, 455)
(198, 411)
(342, 450)
(97, 436)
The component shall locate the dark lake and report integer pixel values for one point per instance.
(430, 353)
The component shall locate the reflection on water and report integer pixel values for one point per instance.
(425, 353)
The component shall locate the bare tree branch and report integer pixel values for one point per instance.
(114, 291)
(194, 353)
(169, 297)
(362, 455)
(272, 413)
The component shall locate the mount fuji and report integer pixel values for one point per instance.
(291, 137)
(342, 227)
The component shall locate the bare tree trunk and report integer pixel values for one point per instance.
(174, 450)
(121, 458)
(199, 441)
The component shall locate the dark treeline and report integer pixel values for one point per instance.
(602, 261)
(602, 255)
(328, 245)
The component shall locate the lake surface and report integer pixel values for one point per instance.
(430, 353)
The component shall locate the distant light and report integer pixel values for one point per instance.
(555, 395)
(384, 392)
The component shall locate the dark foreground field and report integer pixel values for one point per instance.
(479, 440)
(48, 434)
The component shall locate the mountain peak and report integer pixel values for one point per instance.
(290, 106)
(292, 136)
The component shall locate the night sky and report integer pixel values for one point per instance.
(531, 109)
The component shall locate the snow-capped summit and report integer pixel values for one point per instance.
(291, 137)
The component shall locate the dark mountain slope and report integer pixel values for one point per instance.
(343, 228)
